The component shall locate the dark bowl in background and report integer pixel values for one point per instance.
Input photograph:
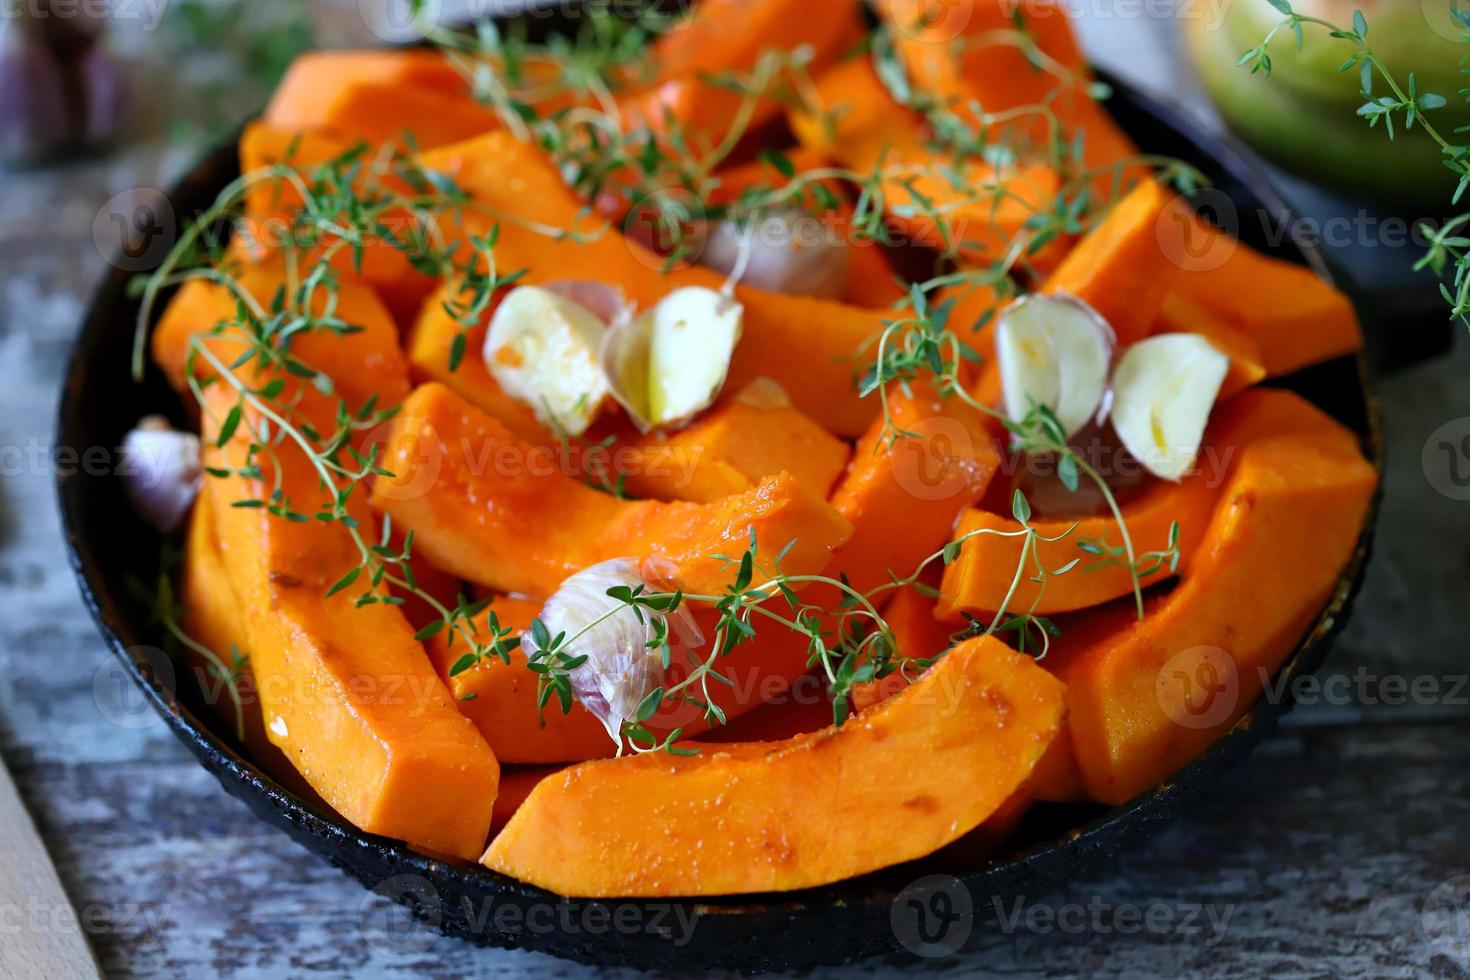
(762, 932)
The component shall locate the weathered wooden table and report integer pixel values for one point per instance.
(1337, 849)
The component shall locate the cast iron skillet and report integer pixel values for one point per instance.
(750, 933)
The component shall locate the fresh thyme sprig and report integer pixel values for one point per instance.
(1404, 101)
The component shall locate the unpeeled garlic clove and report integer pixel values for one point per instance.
(609, 303)
(1163, 391)
(787, 251)
(543, 349)
(161, 472)
(33, 104)
(1053, 351)
(621, 668)
(670, 363)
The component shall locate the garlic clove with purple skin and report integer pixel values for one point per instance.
(33, 104)
(161, 472)
(621, 668)
(106, 96)
(786, 251)
(609, 303)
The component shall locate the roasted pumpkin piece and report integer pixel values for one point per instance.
(1296, 318)
(516, 785)
(903, 495)
(813, 348)
(946, 753)
(1006, 58)
(917, 633)
(382, 112)
(859, 121)
(347, 693)
(969, 208)
(988, 567)
(364, 363)
(1180, 314)
(1057, 779)
(462, 483)
(271, 205)
(756, 434)
(1145, 697)
(214, 619)
(719, 36)
(1123, 268)
(431, 351)
(501, 698)
(305, 96)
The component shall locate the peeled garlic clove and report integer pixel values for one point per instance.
(1163, 391)
(625, 361)
(1053, 351)
(667, 365)
(691, 343)
(161, 472)
(788, 251)
(542, 349)
(621, 669)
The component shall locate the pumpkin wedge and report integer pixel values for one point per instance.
(272, 204)
(1296, 318)
(917, 632)
(431, 351)
(213, 618)
(348, 694)
(1124, 267)
(976, 52)
(502, 697)
(365, 363)
(971, 208)
(478, 510)
(756, 434)
(381, 112)
(903, 496)
(756, 817)
(1145, 697)
(982, 575)
(304, 97)
(813, 348)
(761, 671)
(719, 36)
(1180, 314)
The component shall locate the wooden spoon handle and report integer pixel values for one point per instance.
(40, 939)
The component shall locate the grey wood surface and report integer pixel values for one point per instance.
(1336, 850)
